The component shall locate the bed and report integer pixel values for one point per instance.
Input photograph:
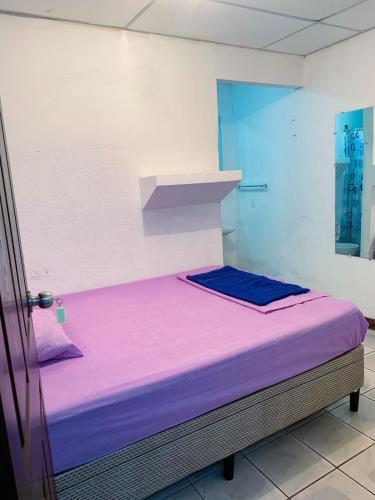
(174, 378)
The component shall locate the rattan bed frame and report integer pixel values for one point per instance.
(147, 466)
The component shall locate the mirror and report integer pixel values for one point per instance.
(355, 184)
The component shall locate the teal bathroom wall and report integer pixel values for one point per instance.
(256, 135)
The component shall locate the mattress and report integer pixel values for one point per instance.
(159, 352)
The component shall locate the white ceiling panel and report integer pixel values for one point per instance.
(314, 38)
(218, 22)
(361, 17)
(310, 9)
(105, 12)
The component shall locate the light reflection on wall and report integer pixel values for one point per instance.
(257, 134)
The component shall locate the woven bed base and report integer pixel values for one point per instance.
(143, 468)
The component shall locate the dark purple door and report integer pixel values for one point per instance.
(25, 465)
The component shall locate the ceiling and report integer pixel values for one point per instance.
(291, 26)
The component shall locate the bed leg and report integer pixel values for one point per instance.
(354, 400)
(229, 468)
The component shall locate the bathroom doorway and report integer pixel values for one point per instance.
(257, 135)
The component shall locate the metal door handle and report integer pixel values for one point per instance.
(43, 300)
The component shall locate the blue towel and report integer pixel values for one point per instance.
(245, 286)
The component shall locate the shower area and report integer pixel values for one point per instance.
(349, 182)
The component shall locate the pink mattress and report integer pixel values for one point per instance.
(159, 352)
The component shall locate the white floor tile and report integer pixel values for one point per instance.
(188, 493)
(370, 339)
(338, 403)
(167, 492)
(335, 486)
(332, 438)
(289, 464)
(305, 420)
(370, 361)
(368, 349)
(371, 394)
(205, 472)
(363, 420)
(362, 468)
(248, 484)
(210, 469)
(262, 442)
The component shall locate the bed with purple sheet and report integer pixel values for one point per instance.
(164, 359)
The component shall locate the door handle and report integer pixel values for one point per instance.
(44, 300)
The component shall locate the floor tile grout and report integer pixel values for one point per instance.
(290, 432)
(335, 467)
(347, 423)
(345, 461)
(356, 455)
(263, 474)
(316, 480)
(312, 449)
(360, 484)
(194, 488)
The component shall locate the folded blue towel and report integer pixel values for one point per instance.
(245, 286)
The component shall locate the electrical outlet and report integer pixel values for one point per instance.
(40, 273)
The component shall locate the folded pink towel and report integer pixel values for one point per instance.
(272, 306)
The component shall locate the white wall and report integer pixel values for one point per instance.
(292, 228)
(340, 78)
(228, 161)
(87, 111)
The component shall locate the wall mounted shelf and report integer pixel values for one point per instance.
(165, 191)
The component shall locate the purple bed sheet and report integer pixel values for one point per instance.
(159, 352)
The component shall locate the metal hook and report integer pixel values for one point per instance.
(59, 301)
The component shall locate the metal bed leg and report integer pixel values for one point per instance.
(229, 468)
(354, 400)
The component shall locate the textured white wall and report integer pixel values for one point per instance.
(290, 231)
(87, 111)
(340, 78)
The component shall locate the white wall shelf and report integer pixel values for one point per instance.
(164, 191)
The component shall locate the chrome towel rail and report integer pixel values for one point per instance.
(262, 187)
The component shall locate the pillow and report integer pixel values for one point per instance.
(51, 339)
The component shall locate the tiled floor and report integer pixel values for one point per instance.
(330, 455)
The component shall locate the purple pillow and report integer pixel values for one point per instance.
(51, 340)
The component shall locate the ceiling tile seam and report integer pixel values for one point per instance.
(332, 44)
(324, 23)
(263, 49)
(263, 11)
(355, 32)
(341, 41)
(179, 37)
(343, 10)
(282, 14)
(290, 34)
(16, 13)
(367, 30)
(139, 14)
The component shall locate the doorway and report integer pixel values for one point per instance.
(257, 135)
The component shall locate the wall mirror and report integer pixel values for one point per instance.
(355, 184)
